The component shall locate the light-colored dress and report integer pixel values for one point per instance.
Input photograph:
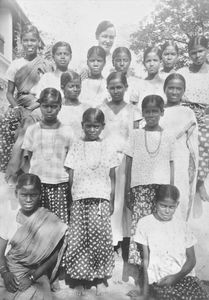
(93, 91)
(49, 80)
(118, 128)
(71, 115)
(181, 123)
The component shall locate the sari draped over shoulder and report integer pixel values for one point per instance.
(27, 77)
(181, 122)
(31, 245)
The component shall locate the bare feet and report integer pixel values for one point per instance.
(80, 291)
(202, 191)
(100, 289)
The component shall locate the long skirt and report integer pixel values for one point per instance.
(56, 197)
(142, 204)
(90, 253)
(8, 126)
(203, 138)
(189, 288)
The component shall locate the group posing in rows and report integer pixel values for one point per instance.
(101, 160)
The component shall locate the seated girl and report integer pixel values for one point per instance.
(168, 252)
(31, 245)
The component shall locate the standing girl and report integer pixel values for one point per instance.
(62, 55)
(91, 166)
(120, 118)
(170, 54)
(149, 162)
(181, 122)
(94, 87)
(46, 144)
(153, 83)
(72, 109)
(168, 252)
(121, 60)
(23, 76)
(197, 78)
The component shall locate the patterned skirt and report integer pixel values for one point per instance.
(189, 288)
(142, 199)
(56, 197)
(8, 126)
(90, 253)
(203, 138)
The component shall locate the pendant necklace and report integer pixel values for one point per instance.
(156, 151)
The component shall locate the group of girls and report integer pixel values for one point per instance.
(108, 154)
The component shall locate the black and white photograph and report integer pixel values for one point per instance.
(104, 149)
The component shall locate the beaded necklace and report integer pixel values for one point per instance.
(156, 151)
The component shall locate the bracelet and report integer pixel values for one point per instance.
(3, 270)
(32, 278)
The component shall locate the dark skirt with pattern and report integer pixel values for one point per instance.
(56, 197)
(90, 253)
(189, 288)
(8, 126)
(203, 138)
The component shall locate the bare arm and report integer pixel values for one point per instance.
(10, 93)
(43, 269)
(185, 270)
(128, 180)
(112, 193)
(145, 273)
(172, 170)
(10, 281)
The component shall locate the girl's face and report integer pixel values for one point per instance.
(152, 115)
(50, 109)
(28, 197)
(121, 62)
(30, 44)
(169, 57)
(92, 129)
(198, 55)
(174, 91)
(165, 209)
(116, 89)
(62, 58)
(72, 89)
(152, 63)
(106, 39)
(96, 64)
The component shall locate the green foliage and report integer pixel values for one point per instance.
(176, 20)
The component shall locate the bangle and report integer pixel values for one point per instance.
(32, 278)
(3, 270)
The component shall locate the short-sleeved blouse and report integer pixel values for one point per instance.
(167, 242)
(49, 148)
(93, 91)
(91, 163)
(152, 152)
(118, 127)
(71, 115)
(197, 86)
